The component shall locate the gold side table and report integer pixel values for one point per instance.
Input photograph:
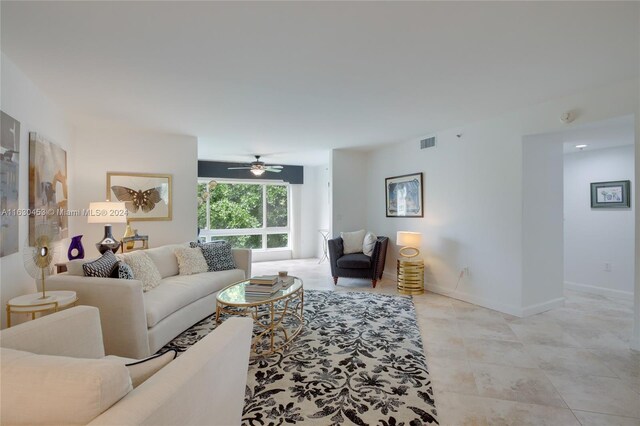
(411, 276)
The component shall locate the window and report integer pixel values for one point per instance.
(248, 215)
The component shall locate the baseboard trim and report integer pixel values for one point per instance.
(619, 294)
(542, 307)
(485, 303)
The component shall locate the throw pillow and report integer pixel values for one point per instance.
(352, 241)
(58, 390)
(143, 369)
(100, 267)
(218, 255)
(369, 243)
(143, 269)
(190, 260)
(122, 271)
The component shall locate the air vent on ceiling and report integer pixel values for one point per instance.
(428, 142)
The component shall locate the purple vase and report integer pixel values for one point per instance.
(76, 251)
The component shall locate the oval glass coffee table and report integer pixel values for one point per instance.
(278, 317)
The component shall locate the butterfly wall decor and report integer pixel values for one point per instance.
(146, 196)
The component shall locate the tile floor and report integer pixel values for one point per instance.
(567, 366)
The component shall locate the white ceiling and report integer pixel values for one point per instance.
(291, 80)
(610, 133)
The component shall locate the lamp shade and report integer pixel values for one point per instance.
(107, 212)
(409, 239)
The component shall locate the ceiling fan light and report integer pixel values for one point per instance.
(257, 172)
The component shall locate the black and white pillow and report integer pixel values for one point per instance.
(100, 267)
(121, 271)
(217, 254)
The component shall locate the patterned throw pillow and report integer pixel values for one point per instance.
(217, 254)
(190, 260)
(143, 269)
(121, 271)
(100, 267)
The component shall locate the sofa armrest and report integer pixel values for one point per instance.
(122, 311)
(74, 332)
(336, 251)
(204, 386)
(242, 258)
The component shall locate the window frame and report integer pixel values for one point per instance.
(211, 234)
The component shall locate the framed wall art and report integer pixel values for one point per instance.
(9, 187)
(613, 194)
(48, 193)
(146, 196)
(404, 196)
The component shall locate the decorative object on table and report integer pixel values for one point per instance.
(328, 339)
(410, 268)
(129, 243)
(257, 168)
(262, 285)
(108, 213)
(9, 188)
(325, 251)
(613, 194)
(76, 250)
(47, 185)
(38, 258)
(357, 265)
(146, 196)
(403, 196)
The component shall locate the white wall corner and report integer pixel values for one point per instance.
(542, 307)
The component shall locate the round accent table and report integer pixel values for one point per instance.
(33, 303)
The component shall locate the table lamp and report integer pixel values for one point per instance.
(410, 241)
(410, 268)
(108, 213)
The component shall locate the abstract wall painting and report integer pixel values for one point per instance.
(9, 186)
(48, 193)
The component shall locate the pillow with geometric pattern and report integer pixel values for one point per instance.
(121, 271)
(218, 255)
(100, 267)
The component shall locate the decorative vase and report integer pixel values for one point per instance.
(128, 232)
(76, 251)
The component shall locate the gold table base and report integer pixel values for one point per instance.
(411, 276)
(270, 318)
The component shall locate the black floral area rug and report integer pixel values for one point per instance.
(358, 360)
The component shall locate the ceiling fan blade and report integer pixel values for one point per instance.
(275, 167)
(239, 168)
(269, 169)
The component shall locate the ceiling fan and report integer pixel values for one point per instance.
(258, 167)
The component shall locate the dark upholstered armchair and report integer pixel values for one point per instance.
(357, 265)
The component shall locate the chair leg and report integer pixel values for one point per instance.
(374, 282)
(335, 280)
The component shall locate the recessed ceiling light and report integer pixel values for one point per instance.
(581, 146)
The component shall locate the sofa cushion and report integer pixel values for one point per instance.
(218, 254)
(174, 293)
(121, 271)
(165, 259)
(354, 261)
(353, 241)
(369, 243)
(191, 261)
(102, 266)
(45, 389)
(143, 269)
(74, 267)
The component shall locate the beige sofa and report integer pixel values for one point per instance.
(203, 386)
(135, 324)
